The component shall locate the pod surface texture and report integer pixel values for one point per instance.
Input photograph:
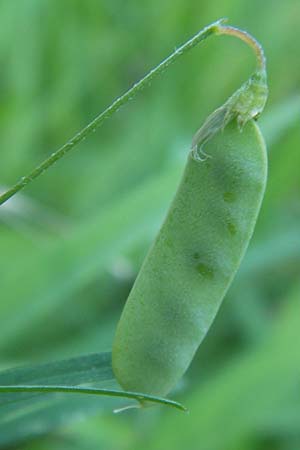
(192, 261)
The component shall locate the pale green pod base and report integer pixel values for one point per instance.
(192, 262)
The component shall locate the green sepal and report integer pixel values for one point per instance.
(245, 104)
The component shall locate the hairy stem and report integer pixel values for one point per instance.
(112, 109)
(212, 29)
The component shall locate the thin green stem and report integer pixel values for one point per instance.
(93, 391)
(215, 28)
(113, 108)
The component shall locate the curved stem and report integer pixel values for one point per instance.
(248, 39)
(113, 108)
(213, 29)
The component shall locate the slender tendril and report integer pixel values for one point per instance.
(113, 108)
(213, 29)
(93, 391)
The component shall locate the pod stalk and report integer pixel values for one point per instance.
(248, 39)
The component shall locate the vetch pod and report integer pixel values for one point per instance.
(199, 247)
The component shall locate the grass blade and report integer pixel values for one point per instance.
(93, 391)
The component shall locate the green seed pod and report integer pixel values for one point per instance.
(194, 258)
(200, 246)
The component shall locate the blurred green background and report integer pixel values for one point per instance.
(72, 243)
